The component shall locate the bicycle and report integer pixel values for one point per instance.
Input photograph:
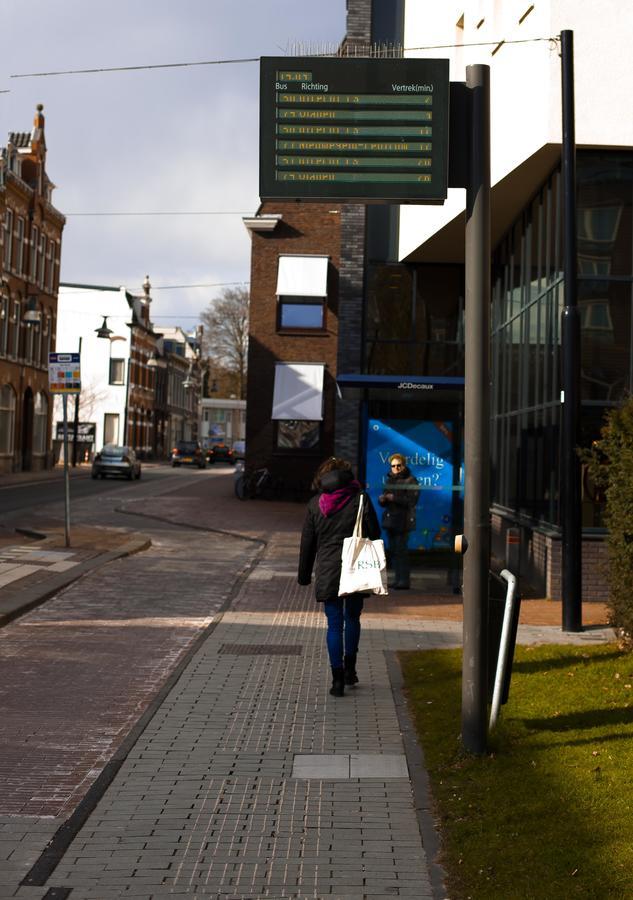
(258, 483)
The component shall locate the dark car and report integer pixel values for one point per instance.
(115, 460)
(219, 452)
(188, 453)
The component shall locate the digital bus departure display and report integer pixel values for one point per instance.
(370, 130)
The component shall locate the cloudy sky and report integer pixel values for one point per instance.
(155, 141)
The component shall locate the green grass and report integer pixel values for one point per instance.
(548, 812)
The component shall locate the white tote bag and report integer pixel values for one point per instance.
(363, 563)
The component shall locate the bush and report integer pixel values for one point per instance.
(610, 463)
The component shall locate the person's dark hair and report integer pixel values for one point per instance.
(329, 465)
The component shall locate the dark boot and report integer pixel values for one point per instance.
(338, 681)
(350, 669)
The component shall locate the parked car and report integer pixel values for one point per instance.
(188, 453)
(115, 460)
(219, 452)
(239, 450)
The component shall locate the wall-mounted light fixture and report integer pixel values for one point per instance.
(189, 381)
(32, 314)
(156, 362)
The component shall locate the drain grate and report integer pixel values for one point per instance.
(262, 649)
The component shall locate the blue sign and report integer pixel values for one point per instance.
(428, 450)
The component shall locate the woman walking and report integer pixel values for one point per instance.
(330, 518)
(399, 500)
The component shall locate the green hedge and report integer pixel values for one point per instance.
(610, 462)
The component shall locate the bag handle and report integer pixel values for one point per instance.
(358, 525)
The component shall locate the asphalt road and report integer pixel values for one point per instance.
(46, 497)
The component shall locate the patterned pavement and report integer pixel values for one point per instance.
(250, 781)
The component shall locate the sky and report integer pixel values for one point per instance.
(162, 140)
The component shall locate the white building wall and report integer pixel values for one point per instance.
(525, 80)
(80, 312)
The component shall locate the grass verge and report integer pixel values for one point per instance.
(547, 813)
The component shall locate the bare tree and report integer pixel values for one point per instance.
(226, 334)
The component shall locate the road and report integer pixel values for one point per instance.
(22, 502)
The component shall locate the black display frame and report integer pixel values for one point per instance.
(329, 130)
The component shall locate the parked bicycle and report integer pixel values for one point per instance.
(258, 483)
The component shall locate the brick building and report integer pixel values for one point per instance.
(294, 338)
(30, 252)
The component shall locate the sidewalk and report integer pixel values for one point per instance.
(36, 565)
(248, 779)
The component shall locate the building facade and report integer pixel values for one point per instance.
(527, 263)
(30, 254)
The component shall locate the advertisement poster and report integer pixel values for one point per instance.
(428, 449)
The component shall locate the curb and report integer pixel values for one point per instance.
(22, 600)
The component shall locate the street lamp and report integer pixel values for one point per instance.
(104, 331)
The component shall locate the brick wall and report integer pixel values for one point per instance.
(358, 29)
(351, 292)
(540, 561)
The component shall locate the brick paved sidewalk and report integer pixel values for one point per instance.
(252, 782)
(32, 570)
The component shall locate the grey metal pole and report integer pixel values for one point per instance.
(571, 513)
(66, 474)
(477, 417)
(76, 419)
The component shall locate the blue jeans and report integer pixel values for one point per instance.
(343, 627)
(399, 553)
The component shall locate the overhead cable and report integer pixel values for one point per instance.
(252, 59)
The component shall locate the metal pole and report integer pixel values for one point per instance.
(477, 416)
(76, 419)
(66, 474)
(571, 516)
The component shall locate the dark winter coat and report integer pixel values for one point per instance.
(322, 539)
(399, 513)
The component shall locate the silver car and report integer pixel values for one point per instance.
(114, 460)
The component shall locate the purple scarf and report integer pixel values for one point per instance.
(330, 504)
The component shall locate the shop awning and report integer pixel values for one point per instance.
(298, 392)
(302, 276)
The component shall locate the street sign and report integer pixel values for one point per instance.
(86, 432)
(363, 130)
(64, 373)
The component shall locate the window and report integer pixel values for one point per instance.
(50, 257)
(46, 338)
(301, 312)
(19, 262)
(117, 371)
(7, 419)
(4, 324)
(35, 237)
(302, 292)
(111, 428)
(297, 434)
(40, 423)
(15, 321)
(8, 238)
(41, 257)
